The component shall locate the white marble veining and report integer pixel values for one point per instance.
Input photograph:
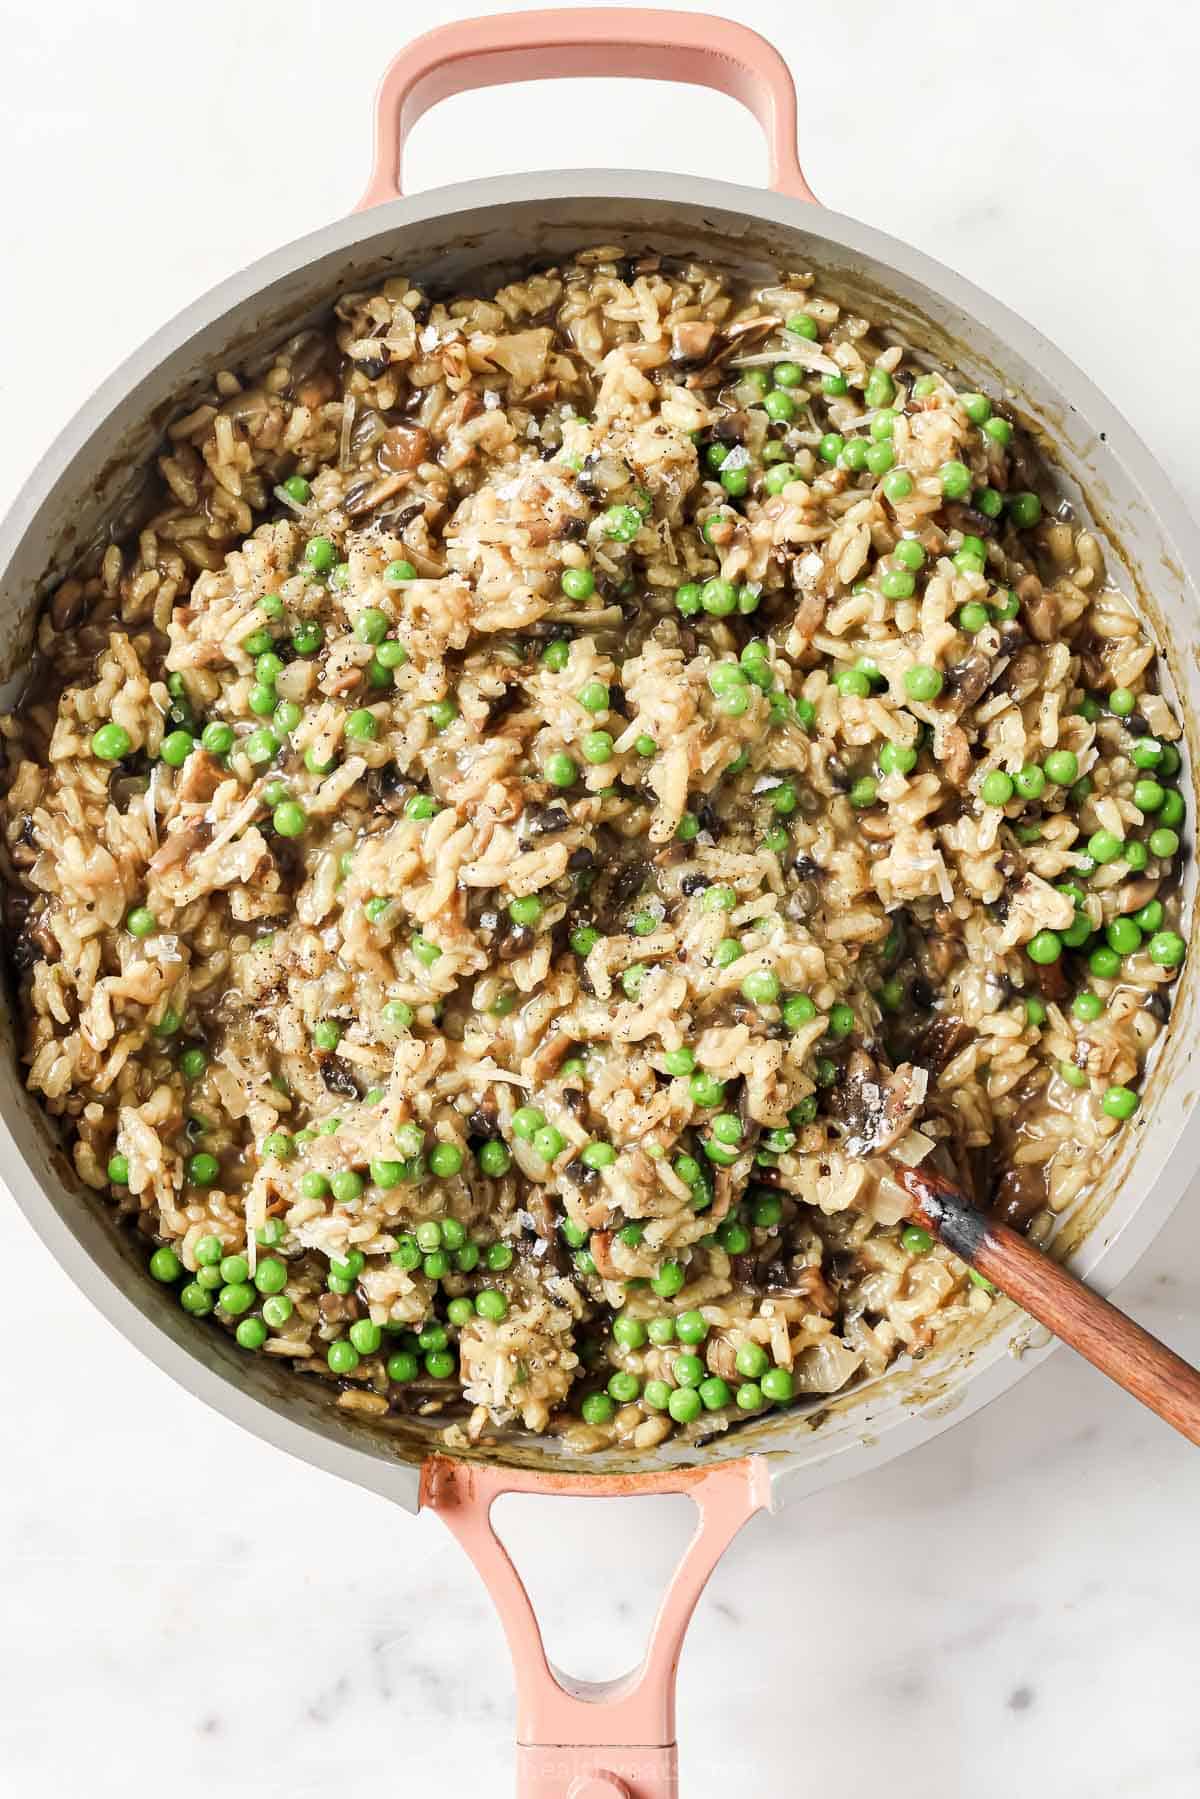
(1010, 1611)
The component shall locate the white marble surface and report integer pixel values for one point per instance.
(1010, 1611)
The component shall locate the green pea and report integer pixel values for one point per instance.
(1172, 810)
(909, 553)
(1164, 843)
(1104, 963)
(779, 477)
(897, 584)
(1061, 767)
(165, 1265)
(597, 747)
(526, 911)
(996, 788)
(916, 1241)
(194, 1299)
(761, 987)
(668, 1281)
(921, 682)
(578, 583)
(628, 1331)
(706, 1090)
(362, 726)
(494, 1159)
(1024, 509)
(342, 1357)
(1045, 947)
(778, 1385)
(277, 1310)
(1087, 1006)
(1120, 1102)
(290, 818)
(111, 742)
(880, 389)
(779, 407)
(271, 1275)
(955, 478)
(407, 1253)
(718, 597)
(1123, 935)
(897, 758)
(140, 922)
(1104, 846)
(1167, 949)
(556, 655)
(527, 1120)
(841, 1020)
(1077, 933)
(733, 1237)
(751, 1360)
(308, 637)
(798, 1010)
(236, 1296)
(977, 407)
(320, 554)
(633, 978)
(685, 1404)
(767, 1207)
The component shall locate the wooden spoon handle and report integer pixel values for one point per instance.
(1109, 1340)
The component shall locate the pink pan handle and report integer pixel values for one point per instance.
(539, 46)
(611, 1739)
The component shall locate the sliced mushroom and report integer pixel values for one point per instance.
(691, 341)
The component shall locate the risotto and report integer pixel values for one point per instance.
(561, 794)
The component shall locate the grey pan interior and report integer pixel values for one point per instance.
(472, 236)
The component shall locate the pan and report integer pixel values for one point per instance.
(601, 1742)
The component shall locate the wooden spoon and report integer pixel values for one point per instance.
(1109, 1340)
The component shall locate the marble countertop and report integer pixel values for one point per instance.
(1012, 1610)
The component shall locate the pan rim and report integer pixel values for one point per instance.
(1104, 1256)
